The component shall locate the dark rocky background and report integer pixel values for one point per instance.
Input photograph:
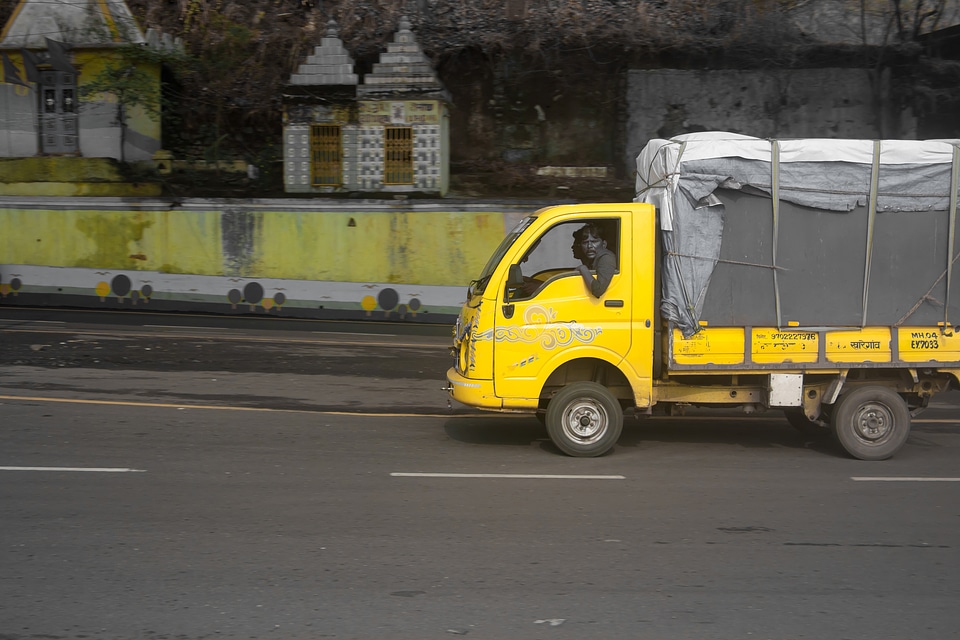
(511, 64)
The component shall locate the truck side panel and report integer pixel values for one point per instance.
(767, 348)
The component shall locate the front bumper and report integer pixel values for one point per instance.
(472, 392)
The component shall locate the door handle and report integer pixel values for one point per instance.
(613, 303)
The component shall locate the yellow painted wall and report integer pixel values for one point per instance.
(411, 247)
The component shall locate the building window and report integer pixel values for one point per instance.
(326, 149)
(398, 155)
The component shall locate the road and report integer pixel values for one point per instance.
(265, 488)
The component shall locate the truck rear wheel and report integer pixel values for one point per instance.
(871, 423)
(584, 419)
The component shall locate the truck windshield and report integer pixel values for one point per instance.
(479, 285)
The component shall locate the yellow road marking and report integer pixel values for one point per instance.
(902, 479)
(72, 469)
(164, 405)
(219, 336)
(485, 414)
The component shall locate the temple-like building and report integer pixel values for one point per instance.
(386, 133)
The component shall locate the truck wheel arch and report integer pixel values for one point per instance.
(588, 369)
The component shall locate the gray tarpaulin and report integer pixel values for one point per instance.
(859, 233)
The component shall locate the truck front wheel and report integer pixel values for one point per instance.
(584, 419)
(871, 423)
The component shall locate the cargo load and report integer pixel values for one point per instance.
(804, 233)
(812, 277)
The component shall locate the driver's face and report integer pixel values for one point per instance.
(591, 244)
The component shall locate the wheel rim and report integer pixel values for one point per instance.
(873, 422)
(585, 421)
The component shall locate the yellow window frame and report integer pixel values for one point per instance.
(326, 154)
(398, 155)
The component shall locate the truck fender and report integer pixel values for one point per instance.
(834, 388)
(619, 364)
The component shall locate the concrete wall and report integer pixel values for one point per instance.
(805, 103)
(522, 114)
(587, 116)
(367, 259)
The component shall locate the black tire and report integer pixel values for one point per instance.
(871, 423)
(799, 421)
(584, 420)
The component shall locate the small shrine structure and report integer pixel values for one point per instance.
(56, 138)
(320, 122)
(388, 133)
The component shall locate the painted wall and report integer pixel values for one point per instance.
(18, 115)
(366, 259)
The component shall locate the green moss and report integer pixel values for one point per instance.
(115, 237)
(60, 169)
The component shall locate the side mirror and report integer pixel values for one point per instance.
(514, 276)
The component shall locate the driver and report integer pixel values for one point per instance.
(590, 248)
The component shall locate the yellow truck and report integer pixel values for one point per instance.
(813, 277)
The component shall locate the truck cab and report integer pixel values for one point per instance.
(532, 337)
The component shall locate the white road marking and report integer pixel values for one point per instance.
(73, 469)
(521, 476)
(901, 479)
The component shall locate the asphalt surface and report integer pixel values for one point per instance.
(281, 364)
(188, 478)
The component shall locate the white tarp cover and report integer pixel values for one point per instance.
(680, 176)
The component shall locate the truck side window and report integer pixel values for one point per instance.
(552, 255)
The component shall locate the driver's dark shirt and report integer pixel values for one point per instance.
(605, 264)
